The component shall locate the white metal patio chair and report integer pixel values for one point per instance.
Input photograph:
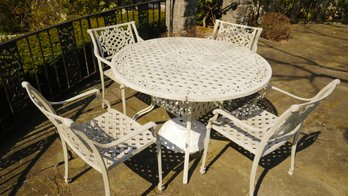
(240, 35)
(103, 142)
(107, 41)
(261, 132)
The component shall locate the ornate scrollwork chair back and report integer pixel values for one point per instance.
(240, 35)
(107, 41)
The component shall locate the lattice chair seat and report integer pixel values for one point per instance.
(254, 116)
(112, 126)
(109, 40)
(259, 131)
(240, 35)
(103, 142)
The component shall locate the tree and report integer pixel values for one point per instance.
(208, 11)
(75, 8)
(14, 15)
(17, 16)
(44, 13)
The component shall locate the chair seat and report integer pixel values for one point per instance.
(110, 75)
(254, 116)
(109, 127)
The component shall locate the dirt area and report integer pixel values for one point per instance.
(31, 157)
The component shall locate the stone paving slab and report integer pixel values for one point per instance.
(31, 158)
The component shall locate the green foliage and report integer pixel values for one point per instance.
(44, 13)
(343, 8)
(33, 58)
(275, 26)
(75, 8)
(208, 11)
(14, 16)
(303, 10)
(18, 16)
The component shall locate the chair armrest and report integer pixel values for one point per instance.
(85, 94)
(66, 121)
(235, 120)
(101, 58)
(289, 94)
(147, 126)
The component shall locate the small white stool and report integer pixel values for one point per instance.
(173, 135)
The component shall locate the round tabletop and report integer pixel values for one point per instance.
(191, 69)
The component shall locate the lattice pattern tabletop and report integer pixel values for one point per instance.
(191, 69)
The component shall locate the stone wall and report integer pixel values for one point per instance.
(184, 16)
(239, 15)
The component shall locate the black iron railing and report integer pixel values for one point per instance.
(57, 58)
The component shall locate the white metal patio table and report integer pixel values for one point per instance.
(191, 70)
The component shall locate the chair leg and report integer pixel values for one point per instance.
(66, 163)
(187, 145)
(103, 169)
(159, 163)
(293, 153)
(253, 173)
(102, 86)
(106, 182)
(206, 144)
(123, 97)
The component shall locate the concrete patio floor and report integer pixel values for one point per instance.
(31, 157)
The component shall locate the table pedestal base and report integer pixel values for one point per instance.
(173, 135)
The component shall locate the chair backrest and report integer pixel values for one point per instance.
(290, 121)
(240, 35)
(110, 39)
(64, 127)
(40, 102)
